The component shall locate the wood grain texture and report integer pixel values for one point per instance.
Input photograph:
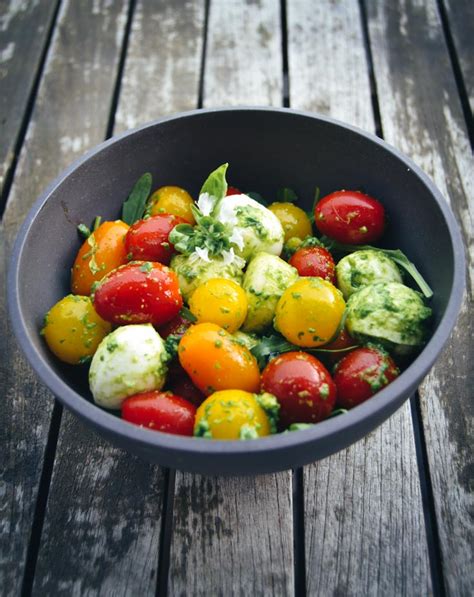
(364, 523)
(243, 58)
(24, 28)
(102, 526)
(407, 40)
(70, 114)
(234, 536)
(163, 61)
(113, 518)
(461, 23)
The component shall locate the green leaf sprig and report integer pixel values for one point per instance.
(133, 208)
(274, 344)
(394, 254)
(85, 231)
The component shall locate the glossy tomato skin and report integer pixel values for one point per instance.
(139, 292)
(148, 239)
(160, 411)
(232, 191)
(316, 262)
(350, 217)
(303, 387)
(99, 254)
(343, 342)
(214, 360)
(362, 373)
(172, 200)
(176, 327)
(181, 384)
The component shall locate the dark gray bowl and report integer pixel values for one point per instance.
(266, 149)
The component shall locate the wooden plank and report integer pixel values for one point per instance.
(113, 518)
(243, 58)
(163, 61)
(461, 22)
(234, 536)
(364, 526)
(24, 29)
(407, 39)
(69, 115)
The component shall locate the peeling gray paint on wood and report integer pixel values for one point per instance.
(232, 536)
(69, 115)
(461, 22)
(163, 61)
(102, 526)
(243, 58)
(364, 523)
(24, 28)
(421, 114)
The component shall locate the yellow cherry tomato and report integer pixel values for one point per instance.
(232, 414)
(73, 330)
(309, 312)
(215, 360)
(172, 200)
(102, 252)
(294, 220)
(220, 301)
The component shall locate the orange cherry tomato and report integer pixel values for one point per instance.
(215, 360)
(102, 252)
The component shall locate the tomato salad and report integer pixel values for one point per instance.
(229, 318)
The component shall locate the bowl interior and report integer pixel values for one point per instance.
(266, 150)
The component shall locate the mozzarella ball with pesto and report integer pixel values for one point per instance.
(130, 360)
(192, 271)
(365, 267)
(265, 280)
(389, 313)
(253, 227)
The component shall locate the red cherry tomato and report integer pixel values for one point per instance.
(350, 217)
(181, 384)
(139, 292)
(177, 326)
(343, 341)
(314, 262)
(233, 191)
(362, 373)
(160, 411)
(148, 240)
(302, 386)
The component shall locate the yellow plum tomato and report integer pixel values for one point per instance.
(220, 301)
(73, 329)
(294, 220)
(309, 312)
(235, 414)
(172, 200)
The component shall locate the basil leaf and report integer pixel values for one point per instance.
(188, 315)
(133, 208)
(216, 184)
(287, 195)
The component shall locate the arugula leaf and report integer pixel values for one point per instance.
(287, 195)
(273, 345)
(215, 184)
(134, 207)
(394, 254)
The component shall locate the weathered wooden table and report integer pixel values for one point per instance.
(392, 515)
